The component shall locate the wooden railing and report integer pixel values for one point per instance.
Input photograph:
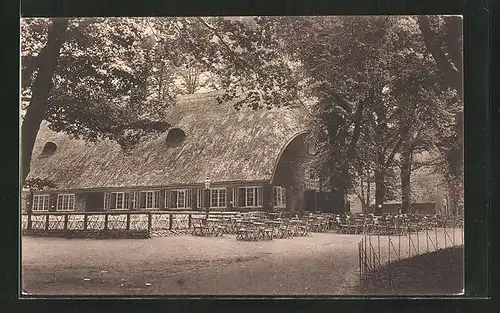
(119, 220)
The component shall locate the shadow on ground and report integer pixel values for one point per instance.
(436, 273)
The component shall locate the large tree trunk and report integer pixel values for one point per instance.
(406, 157)
(35, 112)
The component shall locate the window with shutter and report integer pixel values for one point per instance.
(180, 198)
(241, 197)
(167, 198)
(148, 199)
(126, 200)
(199, 196)
(189, 203)
(279, 197)
(116, 201)
(259, 196)
(136, 200)
(157, 200)
(250, 197)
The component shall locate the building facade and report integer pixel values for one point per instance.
(252, 160)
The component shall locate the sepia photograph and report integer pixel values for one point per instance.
(242, 156)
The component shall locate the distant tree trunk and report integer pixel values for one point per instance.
(368, 195)
(35, 112)
(351, 151)
(453, 195)
(406, 156)
(379, 183)
(379, 190)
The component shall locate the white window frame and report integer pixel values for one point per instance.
(154, 205)
(62, 196)
(116, 208)
(311, 183)
(45, 201)
(218, 196)
(279, 197)
(199, 197)
(178, 191)
(255, 198)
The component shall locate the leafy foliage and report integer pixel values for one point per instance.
(374, 86)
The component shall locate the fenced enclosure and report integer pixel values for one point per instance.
(141, 223)
(377, 250)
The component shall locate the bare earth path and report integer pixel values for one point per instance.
(323, 264)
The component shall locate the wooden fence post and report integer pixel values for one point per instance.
(85, 221)
(105, 221)
(189, 221)
(47, 222)
(149, 222)
(29, 221)
(170, 220)
(365, 256)
(389, 242)
(378, 244)
(359, 261)
(65, 221)
(128, 221)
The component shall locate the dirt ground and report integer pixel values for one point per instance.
(323, 264)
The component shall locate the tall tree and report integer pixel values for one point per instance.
(443, 38)
(90, 78)
(47, 61)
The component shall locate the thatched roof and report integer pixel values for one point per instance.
(221, 143)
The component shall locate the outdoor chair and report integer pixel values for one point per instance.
(343, 225)
(241, 234)
(246, 234)
(200, 230)
(304, 229)
(284, 231)
(219, 230)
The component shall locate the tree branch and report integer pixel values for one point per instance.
(230, 50)
(393, 153)
(434, 48)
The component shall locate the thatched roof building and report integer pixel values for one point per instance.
(210, 140)
(255, 160)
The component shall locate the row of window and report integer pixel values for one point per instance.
(65, 202)
(247, 197)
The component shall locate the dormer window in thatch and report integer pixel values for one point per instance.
(49, 149)
(175, 136)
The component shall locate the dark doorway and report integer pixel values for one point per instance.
(95, 201)
(332, 202)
